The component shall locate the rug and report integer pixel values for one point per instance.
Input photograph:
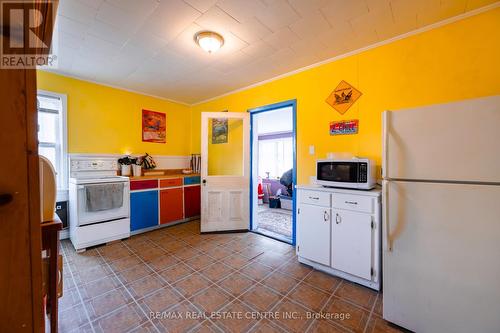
(276, 221)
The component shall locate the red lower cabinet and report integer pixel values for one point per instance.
(192, 202)
(171, 205)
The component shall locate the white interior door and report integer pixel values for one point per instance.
(225, 168)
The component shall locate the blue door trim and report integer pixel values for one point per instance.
(290, 103)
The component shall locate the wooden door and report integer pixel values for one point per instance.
(352, 243)
(171, 205)
(313, 233)
(20, 232)
(225, 171)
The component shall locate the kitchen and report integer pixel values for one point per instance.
(395, 176)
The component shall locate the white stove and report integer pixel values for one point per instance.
(99, 202)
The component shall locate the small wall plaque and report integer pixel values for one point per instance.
(344, 127)
(343, 97)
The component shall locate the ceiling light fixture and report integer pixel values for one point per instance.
(209, 41)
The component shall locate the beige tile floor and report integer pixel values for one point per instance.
(176, 280)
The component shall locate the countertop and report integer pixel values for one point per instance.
(373, 192)
(169, 176)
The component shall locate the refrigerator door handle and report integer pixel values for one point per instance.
(385, 206)
(385, 143)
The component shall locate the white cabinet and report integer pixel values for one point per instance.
(313, 233)
(352, 243)
(338, 232)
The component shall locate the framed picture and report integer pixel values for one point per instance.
(219, 130)
(154, 126)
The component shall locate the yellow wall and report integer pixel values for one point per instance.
(107, 120)
(453, 62)
(226, 158)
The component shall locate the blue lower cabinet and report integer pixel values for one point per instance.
(143, 210)
(191, 180)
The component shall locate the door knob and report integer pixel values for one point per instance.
(5, 198)
(204, 181)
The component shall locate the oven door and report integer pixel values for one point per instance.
(341, 172)
(88, 215)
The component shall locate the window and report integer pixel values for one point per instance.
(52, 133)
(275, 157)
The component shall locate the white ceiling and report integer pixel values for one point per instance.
(147, 45)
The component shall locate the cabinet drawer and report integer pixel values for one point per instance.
(191, 180)
(315, 198)
(171, 182)
(359, 203)
(143, 184)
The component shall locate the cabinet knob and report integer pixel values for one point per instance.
(338, 218)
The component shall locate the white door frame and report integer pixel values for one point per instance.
(225, 199)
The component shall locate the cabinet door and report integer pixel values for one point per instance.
(192, 201)
(313, 233)
(352, 243)
(171, 207)
(143, 210)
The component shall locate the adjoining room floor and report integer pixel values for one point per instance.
(274, 222)
(164, 280)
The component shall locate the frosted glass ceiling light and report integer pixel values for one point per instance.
(209, 41)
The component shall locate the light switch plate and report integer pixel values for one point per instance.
(312, 150)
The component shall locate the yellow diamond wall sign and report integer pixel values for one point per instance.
(343, 97)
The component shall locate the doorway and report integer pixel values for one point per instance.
(273, 172)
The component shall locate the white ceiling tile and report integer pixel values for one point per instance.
(99, 47)
(68, 40)
(405, 13)
(71, 27)
(241, 9)
(216, 20)
(308, 47)
(202, 5)
(281, 38)
(138, 8)
(258, 49)
(146, 41)
(77, 10)
(278, 15)
(170, 19)
(109, 33)
(307, 7)
(120, 17)
(432, 12)
(91, 3)
(310, 25)
(232, 62)
(250, 30)
(339, 10)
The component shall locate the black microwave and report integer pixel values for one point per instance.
(356, 173)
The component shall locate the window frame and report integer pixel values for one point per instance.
(63, 149)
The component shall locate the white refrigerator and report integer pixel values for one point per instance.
(441, 211)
